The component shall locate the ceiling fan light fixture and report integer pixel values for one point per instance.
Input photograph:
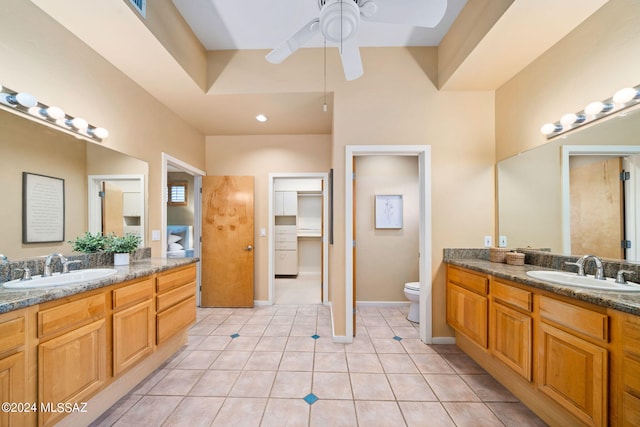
(339, 20)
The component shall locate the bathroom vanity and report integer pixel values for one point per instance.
(69, 353)
(571, 355)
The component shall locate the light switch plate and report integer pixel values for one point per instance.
(487, 241)
(155, 235)
(502, 242)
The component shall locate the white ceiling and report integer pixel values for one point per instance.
(264, 24)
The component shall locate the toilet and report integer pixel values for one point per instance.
(412, 292)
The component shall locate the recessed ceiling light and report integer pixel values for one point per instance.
(261, 118)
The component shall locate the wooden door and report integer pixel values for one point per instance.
(597, 225)
(112, 219)
(227, 241)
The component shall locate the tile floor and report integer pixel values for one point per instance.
(277, 366)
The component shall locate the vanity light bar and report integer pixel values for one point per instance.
(621, 100)
(28, 105)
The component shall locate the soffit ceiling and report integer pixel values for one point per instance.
(252, 24)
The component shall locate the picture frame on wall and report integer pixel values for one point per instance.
(388, 211)
(42, 208)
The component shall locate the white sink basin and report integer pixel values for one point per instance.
(58, 279)
(572, 279)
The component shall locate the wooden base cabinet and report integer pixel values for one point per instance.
(467, 304)
(175, 302)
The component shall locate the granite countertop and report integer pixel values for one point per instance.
(12, 299)
(626, 302)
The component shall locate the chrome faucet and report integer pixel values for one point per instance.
(4, 259)
(580, 264)
(47, 263)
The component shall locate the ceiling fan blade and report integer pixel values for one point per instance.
(293, 43)
(419, 13)
(351, 61)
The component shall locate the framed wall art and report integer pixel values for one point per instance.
(42, 208)
(388, 211)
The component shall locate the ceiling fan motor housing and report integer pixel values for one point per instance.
(339, 20)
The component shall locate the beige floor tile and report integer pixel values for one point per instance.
(177, 358)
(471, 414)
(282, 320)
(302, 330)
(515, 414)
(330, 362)
(289, 384)
(387, 345)
(379, 414)
(332, 385)
(243, 343)
(326, 345)
(277, 331)
(463, 364)
(334, 413)
(360, 344)
(178, 382)
(406, 332)
(203, 328)
(237, 319)
(374, 321)
(380, 331)
(215, 383)
(450, 388)
(371, 387)
(238, 411)
(416, 414)
(488, 389)
(252, 330)
(214, 343)
(445, 348)
(234, 360)
(364, 362)
(305, 319)
(305, 343)
(264, 361)
(253, 384)
(226, 330)
(116, 411)
(271, 344)
(193, 341)
(411, 387)
(286, 413)
(397, 363)
(151, 381)
(195, 412)
(149, 411)
(431, 364)
(258, 319)
(415, 346)
(198, 359)
(297, 361)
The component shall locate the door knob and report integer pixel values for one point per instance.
(248, 248)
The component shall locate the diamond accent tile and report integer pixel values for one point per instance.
(315, 337)
(310, 398)
(236, 335)
(397, 338)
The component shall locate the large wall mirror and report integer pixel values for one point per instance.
(28, 146)
(567, 196)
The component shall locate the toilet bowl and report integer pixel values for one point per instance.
(412, 292)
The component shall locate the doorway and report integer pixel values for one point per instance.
(298, 238)
(423, 152)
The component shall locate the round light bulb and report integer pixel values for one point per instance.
(54, 113)
(549, 128)
(625, 95)
(570, 119)
(261, 118)
(77, 123)
(101, 133)
(594, 108)
(24, 99)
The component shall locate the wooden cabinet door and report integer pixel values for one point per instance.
(467, 313)
(510, 337)
(13, 389)
(573, 372)
(133, 335)
(71, 368)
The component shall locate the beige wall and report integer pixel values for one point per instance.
(386, 258)
(61, 70)
(258, 156)
(590, 64)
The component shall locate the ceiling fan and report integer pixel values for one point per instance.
(338, 22)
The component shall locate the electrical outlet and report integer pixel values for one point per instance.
(487, 241)
(503, 242)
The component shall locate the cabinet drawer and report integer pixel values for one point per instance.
(12, 332)
(173, 279)
(286, 262)
(175, 319)
(286, 230)
(286, 246)
(174, 296)
(589, 323)
(70, 315)
(133, 293)
(468, 280)
(510, 295)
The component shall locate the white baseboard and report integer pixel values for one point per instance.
(261, 302)
(382, 303)
(443, 340)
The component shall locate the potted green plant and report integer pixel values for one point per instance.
(88, 243)
(121, 247)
